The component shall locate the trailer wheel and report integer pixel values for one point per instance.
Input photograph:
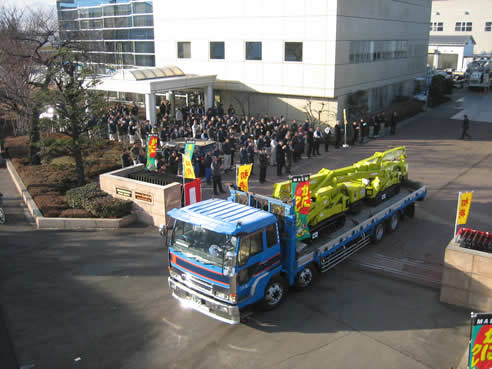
(378, 233)
(393, 222)
(275, 292)
(306, 277)
(410, 210)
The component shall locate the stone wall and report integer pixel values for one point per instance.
(467, 278)
(151, 201)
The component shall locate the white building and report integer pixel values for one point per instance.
(450, 52)
(275, 56)
(464, 18)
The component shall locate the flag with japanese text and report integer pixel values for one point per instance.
(464, 203)
(243, 173)
(480, 354)
(152, 143)
(189, 149)
(301, 194)
(188, 167)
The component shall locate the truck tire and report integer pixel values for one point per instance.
(306, 277)
(275, 293)
(393, 222)
(378, 233)
(410, 210)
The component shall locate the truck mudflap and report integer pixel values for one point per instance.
(203, 303)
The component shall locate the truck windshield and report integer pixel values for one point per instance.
(199, 243)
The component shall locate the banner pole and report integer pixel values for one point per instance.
(457, 214)
(236, 177)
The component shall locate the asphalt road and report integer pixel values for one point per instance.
(100, 299)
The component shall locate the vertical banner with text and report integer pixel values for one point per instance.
(152, 143)
(188, 167)
(463, 209)
(480, 354)
(243, 173)
(301, 194)
(193, 192)
(190, 149)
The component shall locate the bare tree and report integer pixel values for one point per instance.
(317, 112)
(25, 59)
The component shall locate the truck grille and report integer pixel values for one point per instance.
(194, 282)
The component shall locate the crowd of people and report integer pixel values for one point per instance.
(260, 141)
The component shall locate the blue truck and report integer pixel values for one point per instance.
(225, 255)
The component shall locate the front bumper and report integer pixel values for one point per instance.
(203, 303)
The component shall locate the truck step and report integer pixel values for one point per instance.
(412, 270)
(343, 252)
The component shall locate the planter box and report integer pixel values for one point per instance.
(467, 278)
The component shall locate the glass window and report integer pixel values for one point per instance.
(253, 50)
(293, 51)
(488, 26)
(68, 15)
(142, 8)
(144, 47)
(142, 34)
(143, 21)
(184, 49)
(109, 47)
(145, 60)
(125, 47)
(249, 246)
(437, 26)
(463, 26)
(122, 22)
(271, 235)
(217, 50)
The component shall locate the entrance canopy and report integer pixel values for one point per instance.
(149, 81)
(153, 80)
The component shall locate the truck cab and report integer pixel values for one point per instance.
(222, 256)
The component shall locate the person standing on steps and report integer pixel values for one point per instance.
(466, 126)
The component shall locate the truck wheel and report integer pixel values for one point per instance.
(378, 233)
(275, 292)
(410, 210)
(393, 222)
(306, 277)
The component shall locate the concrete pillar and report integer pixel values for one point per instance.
(209, 96)
(436, 59)
(150, 108)
(172, 102)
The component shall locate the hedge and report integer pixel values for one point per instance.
(97, 203)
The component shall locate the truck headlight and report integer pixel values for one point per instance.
(221, 295)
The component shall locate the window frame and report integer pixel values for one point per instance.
(488, 27)
(246, 50)
(184, 49)
(210, 50)
(285, 51)
(259, 235)
(267, 232)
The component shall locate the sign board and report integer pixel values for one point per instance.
(480, 354)
(143, 196)
(123, 192)
(193, 192)
(301, 194)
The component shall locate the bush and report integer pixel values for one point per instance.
(108, 207)
(76, 197)
(75, 213)
(439, 88)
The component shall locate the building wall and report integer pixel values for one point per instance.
(479, 12)
(327, 29)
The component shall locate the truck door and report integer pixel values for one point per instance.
(258, 253)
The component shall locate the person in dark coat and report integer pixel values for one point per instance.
(289, 154)
(207, 163)
(264, 161)
(243, 155)
(466, 127)
(327, 134)
(280, 157)
(216, 175)
(310, 142)
(394, 120)
(338, 135)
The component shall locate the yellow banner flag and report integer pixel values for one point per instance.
(464, 203)
(188, 167)
(243, 173)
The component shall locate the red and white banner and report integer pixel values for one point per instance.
(193, 192)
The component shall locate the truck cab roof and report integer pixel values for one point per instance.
(224, 216)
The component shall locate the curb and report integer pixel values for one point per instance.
(64, 223)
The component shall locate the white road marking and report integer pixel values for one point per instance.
(171, 324)
(242, 348)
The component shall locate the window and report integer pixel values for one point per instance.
(293, 51)
(217, 50)
(144, 47)
(184, 50)
(271, 235)
(463, 27)
(436, 26)
(488, 26)
(370, 51)
(141, 8)
(253, 50)
(143, 21)
(145, 60)
(250, 246)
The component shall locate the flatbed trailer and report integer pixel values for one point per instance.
(222, 289)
